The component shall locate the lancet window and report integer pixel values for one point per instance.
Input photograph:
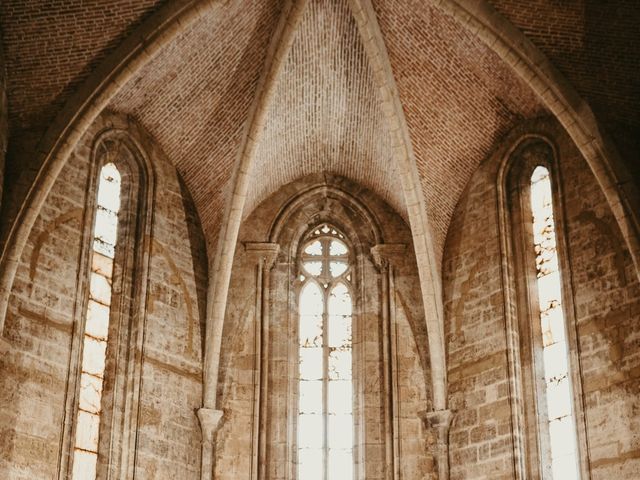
(555, 409)
(96, 330)
(325, 407)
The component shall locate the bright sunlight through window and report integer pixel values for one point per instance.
(325, 413)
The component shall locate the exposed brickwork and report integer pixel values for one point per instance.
(607, 311)
(607, 300)
(195, 96)
(315, 121)
(51, 47)
(594, 44)
(459, 98)
(39, 328)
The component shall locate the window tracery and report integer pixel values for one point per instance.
(325, 405)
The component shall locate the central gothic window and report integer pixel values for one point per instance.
(325, 408)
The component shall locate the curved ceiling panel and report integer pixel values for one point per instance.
(194, 97)
(325, 113)
(52, 47)
(459, 97)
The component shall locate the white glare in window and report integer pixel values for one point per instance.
(314, 248)
(555, 355)
(96, 330)
(325, 405)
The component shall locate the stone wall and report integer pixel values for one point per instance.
(607, 310)
(235, 441)
(34, 374)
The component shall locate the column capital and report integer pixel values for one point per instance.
(439, 421)
(209, 423)
(266, 252)
(388, 254)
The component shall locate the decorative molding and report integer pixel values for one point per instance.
(428, 271)
(439, 422)
(388, 254)
(265, 252)
(210, 421)
(220, 273)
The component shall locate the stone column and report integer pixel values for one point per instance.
(263, 255)
(439, 422)
(387, 258)
(209, 423)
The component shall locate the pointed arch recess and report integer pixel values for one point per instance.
(562, 100)
(78, 115)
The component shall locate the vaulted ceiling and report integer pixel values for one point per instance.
(325, 114)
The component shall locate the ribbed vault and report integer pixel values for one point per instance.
(458, 96)
(194, 97)
(325, 115)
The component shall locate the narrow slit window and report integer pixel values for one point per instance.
(560, 421)
(94, 348)
(325, 405)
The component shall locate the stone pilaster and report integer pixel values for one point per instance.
(263, 255)
(387, 258)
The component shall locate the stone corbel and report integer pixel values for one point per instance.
(439, 422)
(210, 421)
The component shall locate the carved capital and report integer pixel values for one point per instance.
(388, 254)
(438, 421)
(209, 423)
(262, 252)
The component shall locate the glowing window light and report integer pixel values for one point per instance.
(325, 403)
(555, 353)
(96, 331)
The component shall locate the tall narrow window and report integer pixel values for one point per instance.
(325, 408)
(96, 331)
(558, 398)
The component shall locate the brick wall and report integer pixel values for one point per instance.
(39, 326)
(607, 304)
